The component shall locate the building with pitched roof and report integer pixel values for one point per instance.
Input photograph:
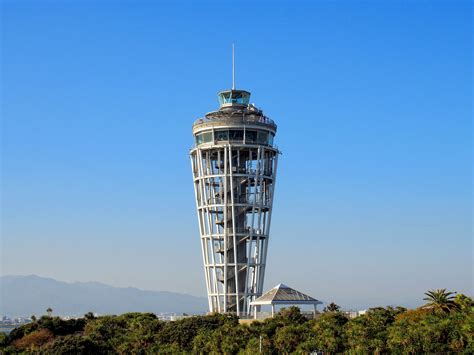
(283, 295)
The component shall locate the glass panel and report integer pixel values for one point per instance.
(245, 98)
(199, 139)
(222, 135)
(224, 98)
(235, 135)
(270, 139)
(262, 137)
(250, 136)
(240, 98)
(234, 97)
(207, 137)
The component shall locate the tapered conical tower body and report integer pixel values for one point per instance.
(234, 164)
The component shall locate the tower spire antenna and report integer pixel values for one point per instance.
(233, 67)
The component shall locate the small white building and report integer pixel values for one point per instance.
(283, 295)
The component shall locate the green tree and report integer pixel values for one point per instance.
(157, 348)
(332, 307)
(3, 339)
(368, 333)
(128, 332)
(328, 332)
(227, 339)
(59, 326)
(467, 329)
(202, 342)
(230, 338)
(427, 332)
(266, 330)
(289, 337)
(89, 316)
(290, 315)
(440, 301)
(465, 303)
(75, 344)
(141, 331)
(380, 330)
(258, 344)
(182, 332)
(49, 311)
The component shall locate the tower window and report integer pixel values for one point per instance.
(270, 139)
(207, 137)
(262, 137)
(236, 135)
(199, 139)
(222, 136)
(250, 136)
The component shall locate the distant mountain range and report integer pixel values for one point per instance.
(23, 296)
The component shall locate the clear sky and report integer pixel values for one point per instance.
(373, 102)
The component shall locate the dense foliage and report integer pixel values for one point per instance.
(444, 325)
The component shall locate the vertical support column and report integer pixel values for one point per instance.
(251, 236)
(206, 237)
(270, 210)
(201, 213)
(210, 228)
(259, 256)
(234, 238)
(225, 228)
(197, 185)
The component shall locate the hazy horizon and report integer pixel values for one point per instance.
(403, 303)
(373, 102)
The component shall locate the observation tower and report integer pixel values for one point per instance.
(234, 164)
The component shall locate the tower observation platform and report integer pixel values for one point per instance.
(234, 164)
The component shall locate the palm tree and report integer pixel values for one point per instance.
(440, 301)
(49, 311)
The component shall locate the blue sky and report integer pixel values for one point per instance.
(373, 102)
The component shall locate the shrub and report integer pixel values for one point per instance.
(75, 344)
(34, 339)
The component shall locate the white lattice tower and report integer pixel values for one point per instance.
(234, 167)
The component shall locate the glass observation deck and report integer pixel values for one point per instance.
(248, 136)
(231, 98)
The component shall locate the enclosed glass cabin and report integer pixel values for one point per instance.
(231, 98)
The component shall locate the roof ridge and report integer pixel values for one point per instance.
(284, 294)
